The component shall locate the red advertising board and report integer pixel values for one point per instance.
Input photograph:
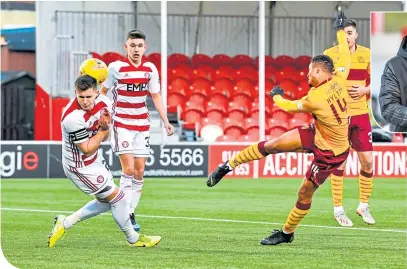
(221, 153)
(390, 160)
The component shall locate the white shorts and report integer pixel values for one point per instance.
(129, 141)
(91, 179)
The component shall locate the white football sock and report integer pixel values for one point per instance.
(338, 209)
(137, 189)
(126, 186)
(91, 209)
(120, 214)
(363, 205)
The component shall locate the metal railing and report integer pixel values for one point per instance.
(213, 34)
(78, 33)
(296, 36)
(104, 31)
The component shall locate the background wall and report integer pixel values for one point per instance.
(62, 31)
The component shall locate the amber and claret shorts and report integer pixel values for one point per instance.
(360, 133)
(324, 162)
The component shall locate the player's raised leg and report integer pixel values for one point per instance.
(91, 180)
(63, 223)
(365, 186)
(300, 210)
(337, 197)
(287, 142)
(321, 167)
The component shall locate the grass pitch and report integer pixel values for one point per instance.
(205, 227)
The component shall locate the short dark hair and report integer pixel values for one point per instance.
(84, 82)
(349, 22)
(325, 61)
(134, 34)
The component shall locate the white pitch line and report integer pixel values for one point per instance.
(217, 220)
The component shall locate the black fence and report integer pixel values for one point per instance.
(17, 112)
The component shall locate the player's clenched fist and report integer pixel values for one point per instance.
(104, 119)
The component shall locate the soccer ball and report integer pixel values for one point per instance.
(95, 68)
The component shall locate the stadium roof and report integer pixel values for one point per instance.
(20, 39)
(8, 76)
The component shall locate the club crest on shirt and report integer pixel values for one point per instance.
(147, 75)
(100, 179)
(361, 59)
(125, 144)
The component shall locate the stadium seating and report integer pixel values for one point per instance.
(223, 91)
(110, 57)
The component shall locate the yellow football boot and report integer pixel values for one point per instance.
(146, 241)
(57, 231)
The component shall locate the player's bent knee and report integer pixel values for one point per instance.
(101, 200)
(306, 191)
(138, 172)
(367, 166)
(271, 146)
(127, 171)
(126, 161)
(109, 194)
(304, 200)
(304, 195)
(366, 162)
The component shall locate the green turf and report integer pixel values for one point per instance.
(97, 243)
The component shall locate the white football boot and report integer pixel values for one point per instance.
(342, 218)
(364, 212)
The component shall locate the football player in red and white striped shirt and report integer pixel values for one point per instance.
(85, 123)
(130, 80)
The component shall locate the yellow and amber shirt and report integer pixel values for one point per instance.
(328, 103)
(359, 74)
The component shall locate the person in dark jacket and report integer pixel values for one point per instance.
(393, 90)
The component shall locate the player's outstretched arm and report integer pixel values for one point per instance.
(390, 98)
(288, 105)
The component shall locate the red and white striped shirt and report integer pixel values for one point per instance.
(129, 86)
(78, 126)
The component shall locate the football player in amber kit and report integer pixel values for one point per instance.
(360, 130)
(327, 139)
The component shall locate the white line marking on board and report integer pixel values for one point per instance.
(210, 219)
